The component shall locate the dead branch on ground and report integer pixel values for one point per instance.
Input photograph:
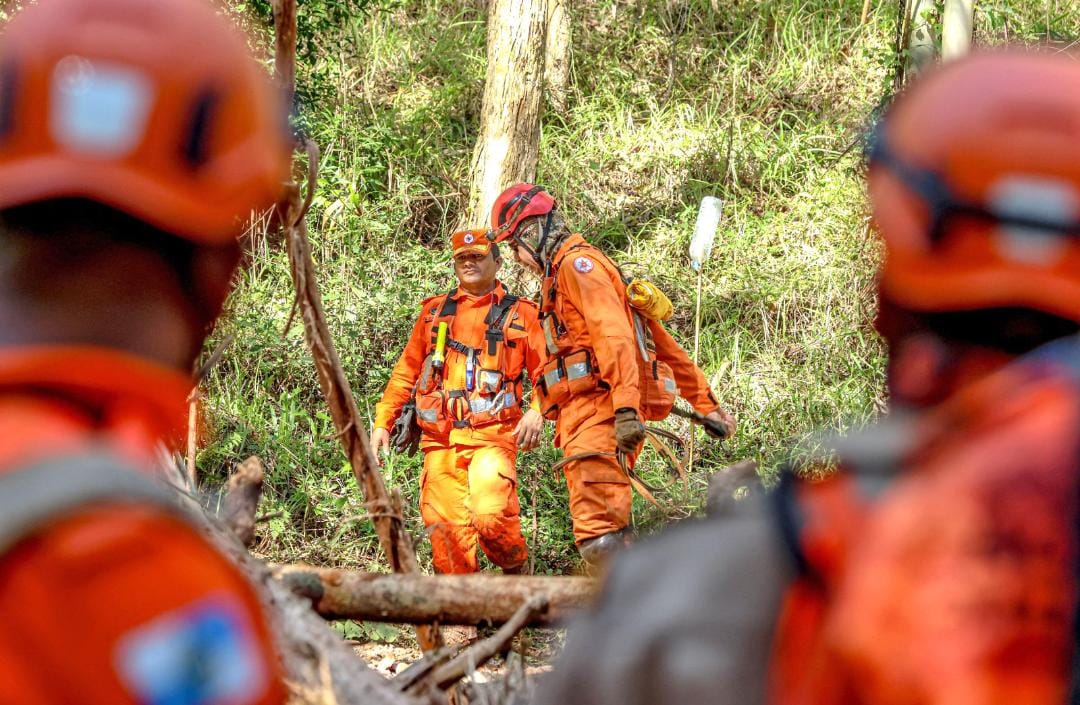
(446, 599)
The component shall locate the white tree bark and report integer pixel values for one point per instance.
(558, 53)
(956, 26)
(509, 141)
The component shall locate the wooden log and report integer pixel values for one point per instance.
(242, 499)
(446, 599)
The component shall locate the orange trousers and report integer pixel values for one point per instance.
(599, 489)
(468, 496)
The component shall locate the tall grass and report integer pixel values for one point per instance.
(759, 103)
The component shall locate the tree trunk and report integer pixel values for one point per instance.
(557, 53)
(509, 141)
(956, 25)
(422, 599)
(920, 38)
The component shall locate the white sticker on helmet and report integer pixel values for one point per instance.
(1036, 198)
(97, 107)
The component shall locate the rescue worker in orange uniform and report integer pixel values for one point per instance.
(469, 409)
(939, 565)
(593, 384)
(135, 138)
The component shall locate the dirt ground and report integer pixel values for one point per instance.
(538, 646)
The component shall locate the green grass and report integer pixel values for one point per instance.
(761, 109)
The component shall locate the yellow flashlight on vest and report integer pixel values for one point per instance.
(439, 357)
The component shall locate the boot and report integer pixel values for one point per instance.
(599, 550)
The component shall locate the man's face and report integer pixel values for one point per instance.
(475, 271)
(523, 257)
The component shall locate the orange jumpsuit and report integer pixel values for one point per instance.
(588, 299)
(117, 602)
(468, 489)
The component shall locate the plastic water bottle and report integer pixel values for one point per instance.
(708, 220)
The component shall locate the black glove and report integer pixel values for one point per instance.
(629, 431)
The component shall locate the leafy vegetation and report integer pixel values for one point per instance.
(760, 103)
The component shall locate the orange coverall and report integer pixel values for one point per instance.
(97, 605)
(468, 489)
(590, 302)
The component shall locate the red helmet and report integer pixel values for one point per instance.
(514, 205)
(975, 184)
(154, 108)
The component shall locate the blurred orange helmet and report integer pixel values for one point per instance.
(975, 186)
(153, 108)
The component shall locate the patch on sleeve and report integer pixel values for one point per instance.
(584, 264)
(201, 654)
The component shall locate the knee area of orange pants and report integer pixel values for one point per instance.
(93, 602)
(468, 497)
(600, 493)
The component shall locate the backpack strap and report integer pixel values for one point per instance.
(447, 309)
(33, 496)
(495, 321)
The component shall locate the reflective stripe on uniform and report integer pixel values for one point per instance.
(33, 496)
(577, 370)
(502, 400)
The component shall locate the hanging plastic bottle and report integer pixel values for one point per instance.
(708, 220)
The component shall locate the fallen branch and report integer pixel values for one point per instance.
(446, 599)
(242, 499)
(395, 541)
(472, 658)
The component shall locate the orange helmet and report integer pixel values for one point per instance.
(514, 205)
(153, 108)
(975, 185)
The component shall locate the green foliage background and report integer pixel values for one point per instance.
(760, 103)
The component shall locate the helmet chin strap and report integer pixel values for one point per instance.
(537, 253)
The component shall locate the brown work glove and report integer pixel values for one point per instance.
(629, 431)
(719, 424)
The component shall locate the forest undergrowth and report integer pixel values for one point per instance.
(763, 104)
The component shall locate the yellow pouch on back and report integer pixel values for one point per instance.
(648, 300)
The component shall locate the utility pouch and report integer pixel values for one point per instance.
(406, 432)
(658, 390)
(489, 382)
(431, 414)
(565, 377)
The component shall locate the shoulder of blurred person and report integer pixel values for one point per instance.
(684, 617)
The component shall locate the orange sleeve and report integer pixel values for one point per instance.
(693, 386)
(612, 338)
(535, 349)
(400, 387)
